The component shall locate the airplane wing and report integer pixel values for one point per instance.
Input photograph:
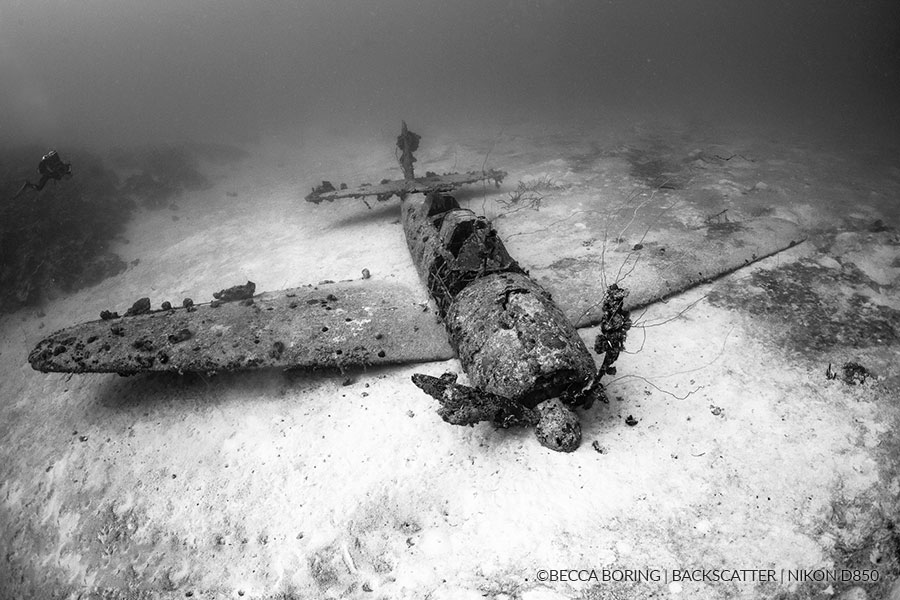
(432, 182)
(338, 325)
(652, 265)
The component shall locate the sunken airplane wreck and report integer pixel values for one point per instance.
(515, 338)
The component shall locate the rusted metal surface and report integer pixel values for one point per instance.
(355, 323)
(432, 182)
(464, 405)
(514, 341)
(511, 338)
(674, 258)
(407, 144)
(450, 246)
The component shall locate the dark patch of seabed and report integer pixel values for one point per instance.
(653, 162)
(814, 308)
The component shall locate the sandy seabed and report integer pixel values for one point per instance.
(327, 485)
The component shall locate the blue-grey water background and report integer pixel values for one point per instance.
(104, 73)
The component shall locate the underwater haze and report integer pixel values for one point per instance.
(717, 178)
(94, 72)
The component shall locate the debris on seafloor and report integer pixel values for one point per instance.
(556, 425)
(236, 292)
(851, 373)
(340, 325)
(464, 405)
(323, 188)
(614, 326)
(386, 188)
(182, 335)
(139, 307)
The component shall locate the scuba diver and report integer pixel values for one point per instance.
(50, 167)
